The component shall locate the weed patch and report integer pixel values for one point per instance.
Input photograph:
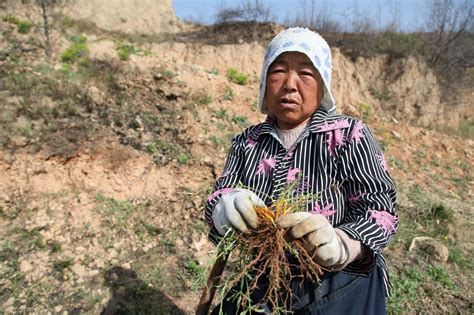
(229, 94)
(241, 121)
(406, 289)
(366, 110)
(438, 274)
(124, 50)
(61, 264)
(237, 77)
(118, 212)
(23, 26)
(77, 52)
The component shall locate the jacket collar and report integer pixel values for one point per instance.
(317, 122)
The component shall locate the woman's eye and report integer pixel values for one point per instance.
(307, 73)
(277, 70)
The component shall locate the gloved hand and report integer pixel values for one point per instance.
(236, 209)
(320, 238)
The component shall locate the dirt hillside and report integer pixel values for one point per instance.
(106, 161)
(127, 16)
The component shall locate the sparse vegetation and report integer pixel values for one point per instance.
(237, 77)
(229, 94)
(241, 121)
(24, 26)
(103, 243)
(77, 50)
(366, 111)
(124, 50)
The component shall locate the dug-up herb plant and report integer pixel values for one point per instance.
(266, 253)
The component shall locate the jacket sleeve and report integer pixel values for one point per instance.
(371, 214)
(229, 179)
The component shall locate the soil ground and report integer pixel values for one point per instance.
(105, 167)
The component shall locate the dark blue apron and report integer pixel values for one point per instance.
(338, 293)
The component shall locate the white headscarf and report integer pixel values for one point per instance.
(309, 43)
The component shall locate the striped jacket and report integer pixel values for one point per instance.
(338, 159)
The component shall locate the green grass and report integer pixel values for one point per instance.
(406, 290)
(396, 162)
(431, 215)
(461, 259)
(183, 159)
(215, 140)
(152, 148)
(366, 110)
(417, 277)
(196, 273)
(438, 274)
(237, 77)
(61, 264)
(229, 94)
(206, 99)
(23, 26)
(221, 114)
(118, 211)
(124, 50)
(241, 121)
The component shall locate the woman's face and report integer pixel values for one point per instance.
(294, 89)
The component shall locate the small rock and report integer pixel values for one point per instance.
(113, 253)
(25, 266)
(179, 242)
(396, 135)
(9, 302)
(147, 247)
(58, 308)
(113, 277)
(94, 273)
(100, 264)
(430, 246)
(19, 141)
(79, 270)
(126, 266)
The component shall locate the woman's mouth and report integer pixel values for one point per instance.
(288, 102)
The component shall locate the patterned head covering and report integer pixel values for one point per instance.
(309, 43)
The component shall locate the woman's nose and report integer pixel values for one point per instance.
(290, 82)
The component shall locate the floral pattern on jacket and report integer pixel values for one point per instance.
(337, 158)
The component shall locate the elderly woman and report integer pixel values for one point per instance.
(345, 228)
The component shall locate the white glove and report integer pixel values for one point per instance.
(321, 239)
(236, 209)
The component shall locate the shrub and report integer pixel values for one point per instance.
(23, 25)
(398, 44)
(77, 51)
(183, 159)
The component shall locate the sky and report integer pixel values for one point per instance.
(411, 14)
